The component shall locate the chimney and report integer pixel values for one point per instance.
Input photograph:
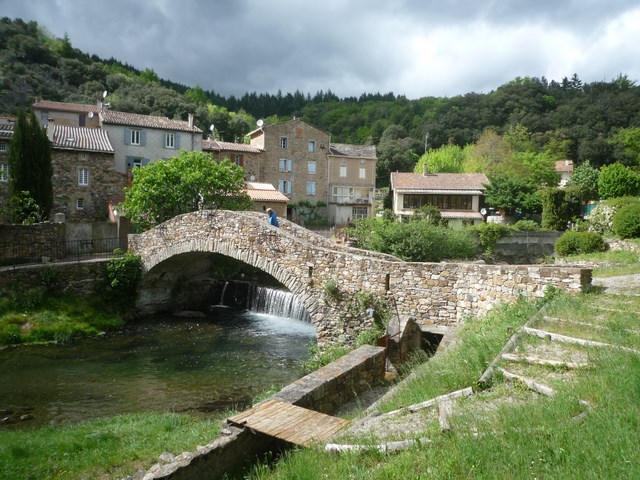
(425, 170)
(50, 128)
(191, 120)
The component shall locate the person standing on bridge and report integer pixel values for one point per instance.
(272, 218)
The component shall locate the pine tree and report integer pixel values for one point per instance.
(30, 167)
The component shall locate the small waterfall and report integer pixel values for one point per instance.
(224, 290)
(276, 302)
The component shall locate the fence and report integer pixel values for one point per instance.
(13, 254)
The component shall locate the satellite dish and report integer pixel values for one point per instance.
(260, 123)
(483, 211)
(90, 115)
(104, 94)
(252, 178)
(212, 127)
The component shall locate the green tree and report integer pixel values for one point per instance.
(509, 193)
(30, 163)
(616, 180)
(188, 182)
(395, 153)
(626, 144)
(585, 179)
(446, 159)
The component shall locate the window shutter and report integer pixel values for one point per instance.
(127, 136)
(143, 137)
(289, 166)
(289, 183)
(177, 141)
(129, 162)
(281, 186)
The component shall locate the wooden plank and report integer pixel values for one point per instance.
(289, 422)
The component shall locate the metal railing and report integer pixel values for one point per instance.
(15, 254)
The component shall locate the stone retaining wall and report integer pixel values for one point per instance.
(323, 390)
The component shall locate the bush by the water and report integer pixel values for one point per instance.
(575, 243)
(415, 241)
(626, 221)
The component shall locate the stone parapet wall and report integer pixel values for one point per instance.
(26, 241)
(433, 293)
(77, 278)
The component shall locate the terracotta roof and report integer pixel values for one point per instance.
(81, 138)
(6, 131)
(564, 166)
(149, 121)
(450, 183)
(65, 107)
(219, 146)
(348, 150)
(265, 192)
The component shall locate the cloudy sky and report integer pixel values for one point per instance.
(413, 47)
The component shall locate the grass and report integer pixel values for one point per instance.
(37, 316)
(614, 262)
(102, 449)
(501, 433)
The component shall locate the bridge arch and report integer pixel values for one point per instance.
(438, 295)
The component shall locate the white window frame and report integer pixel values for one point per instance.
(284, 143)
(311, 167)
(311, 146)
(170, 140)
(285, 186)
(4, 146)
(358, 213)
(4, 172)
(343, 171)
(311, 188)
(83, 177)
(80, 204)
(285, 165)
(362, 173)
(135, 136)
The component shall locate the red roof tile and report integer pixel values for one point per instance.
(437, 182)
(149, 121)
(564, 166)
(265, 192)
(65, 107)
(219, 146)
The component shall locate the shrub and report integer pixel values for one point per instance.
(526, 226)
(123, 275)
(626, 221)
(616, 180)
(575, 243)
(489, 234)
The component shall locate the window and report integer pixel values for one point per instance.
(363, 173)
(311, 146)
(135, 137)
(83, 156)
(83, 176)
(3, 146)
(358, 213)
(284, 142)
(4, 172)
(285, 186)
(311, 188)
(237, 159)
(443, 202)
(342, 194)
(343, 170)
(285, 165)
(80, 204)
(169, 140)
(311, 167)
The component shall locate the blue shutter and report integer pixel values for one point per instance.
(129, 162)
(143, 137)
(177, 141)
(127, 136)
(281, 186)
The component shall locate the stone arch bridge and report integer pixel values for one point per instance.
(437, 295)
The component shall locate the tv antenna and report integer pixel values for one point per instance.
(426, 142)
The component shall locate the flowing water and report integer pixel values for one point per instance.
(161, 364)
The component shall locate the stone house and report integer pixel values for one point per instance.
(352, 182)
(69, 114)
(140, 139)
(458, 196)
(565, 170)
(84, 175)
(247, 156)
(265, 195)
(294, 154)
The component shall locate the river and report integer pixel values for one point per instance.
(158, 364)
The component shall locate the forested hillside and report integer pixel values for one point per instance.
(593, 122)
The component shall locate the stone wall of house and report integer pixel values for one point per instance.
(324, 390)
(104, 182)
(440, 294)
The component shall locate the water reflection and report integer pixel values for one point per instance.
(161, 364)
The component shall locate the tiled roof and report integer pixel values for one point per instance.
(348, 150)
(149, 121)
(265, 192)
(65, 107)
(564, 166)
(439, 182)
(218, 146)
(81, 138)
(6, 131)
